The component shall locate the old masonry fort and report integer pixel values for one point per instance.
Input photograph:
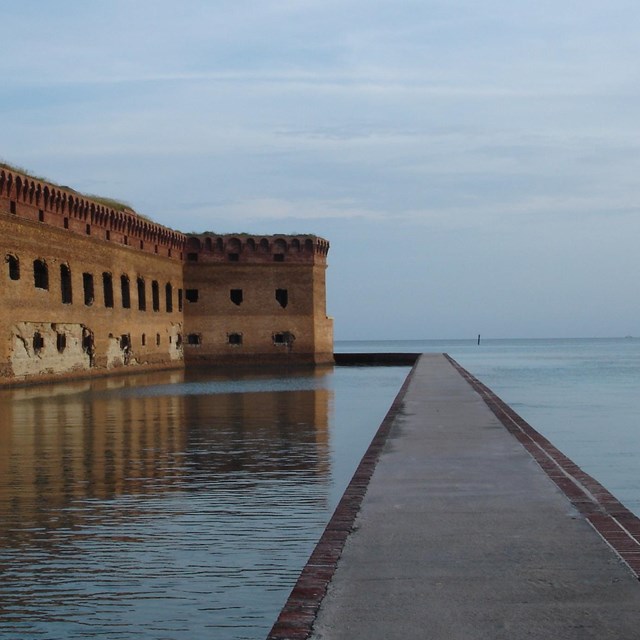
(90, 287)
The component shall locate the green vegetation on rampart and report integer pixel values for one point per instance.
(110, 203)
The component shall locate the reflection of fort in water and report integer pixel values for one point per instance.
(64, 444)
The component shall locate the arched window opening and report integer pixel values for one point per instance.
(107, 286)
(87, 286)
(155, 295)
(14, 267)
(125, 292)
(142, 295)
(193, 244)
(66, 288)
(168, 294)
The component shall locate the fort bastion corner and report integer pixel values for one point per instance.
(90, 289)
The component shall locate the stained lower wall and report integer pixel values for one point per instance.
(58, 317)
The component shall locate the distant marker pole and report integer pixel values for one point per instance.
(478, 338)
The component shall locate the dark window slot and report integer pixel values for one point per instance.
(142, 295)
(40, 274)
(14, 267)
(282, 296)
(66, 288)
(155, 295)
(191, 295)
(236, 296)
(125, 292)
(87, 285)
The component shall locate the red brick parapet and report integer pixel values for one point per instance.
(252, 249)
(42, 202)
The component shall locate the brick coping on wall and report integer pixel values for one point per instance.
(618, 526)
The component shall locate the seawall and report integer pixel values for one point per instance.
(462, 521)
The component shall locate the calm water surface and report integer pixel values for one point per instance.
(169, 507)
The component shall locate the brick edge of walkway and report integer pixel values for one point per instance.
(299, 612)
(619, 527)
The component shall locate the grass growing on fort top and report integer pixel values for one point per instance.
(111, 203)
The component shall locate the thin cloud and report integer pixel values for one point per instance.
(275, 209)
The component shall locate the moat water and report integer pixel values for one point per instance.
(171, 507)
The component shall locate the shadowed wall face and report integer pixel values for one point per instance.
(252, 307)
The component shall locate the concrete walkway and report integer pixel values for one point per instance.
(461, 535)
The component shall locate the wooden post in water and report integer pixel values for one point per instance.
(478, 338)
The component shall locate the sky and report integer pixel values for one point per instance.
(474, 165)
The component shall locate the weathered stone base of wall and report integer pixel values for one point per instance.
(28, 359)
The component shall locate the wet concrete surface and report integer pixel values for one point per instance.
(461, 534)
